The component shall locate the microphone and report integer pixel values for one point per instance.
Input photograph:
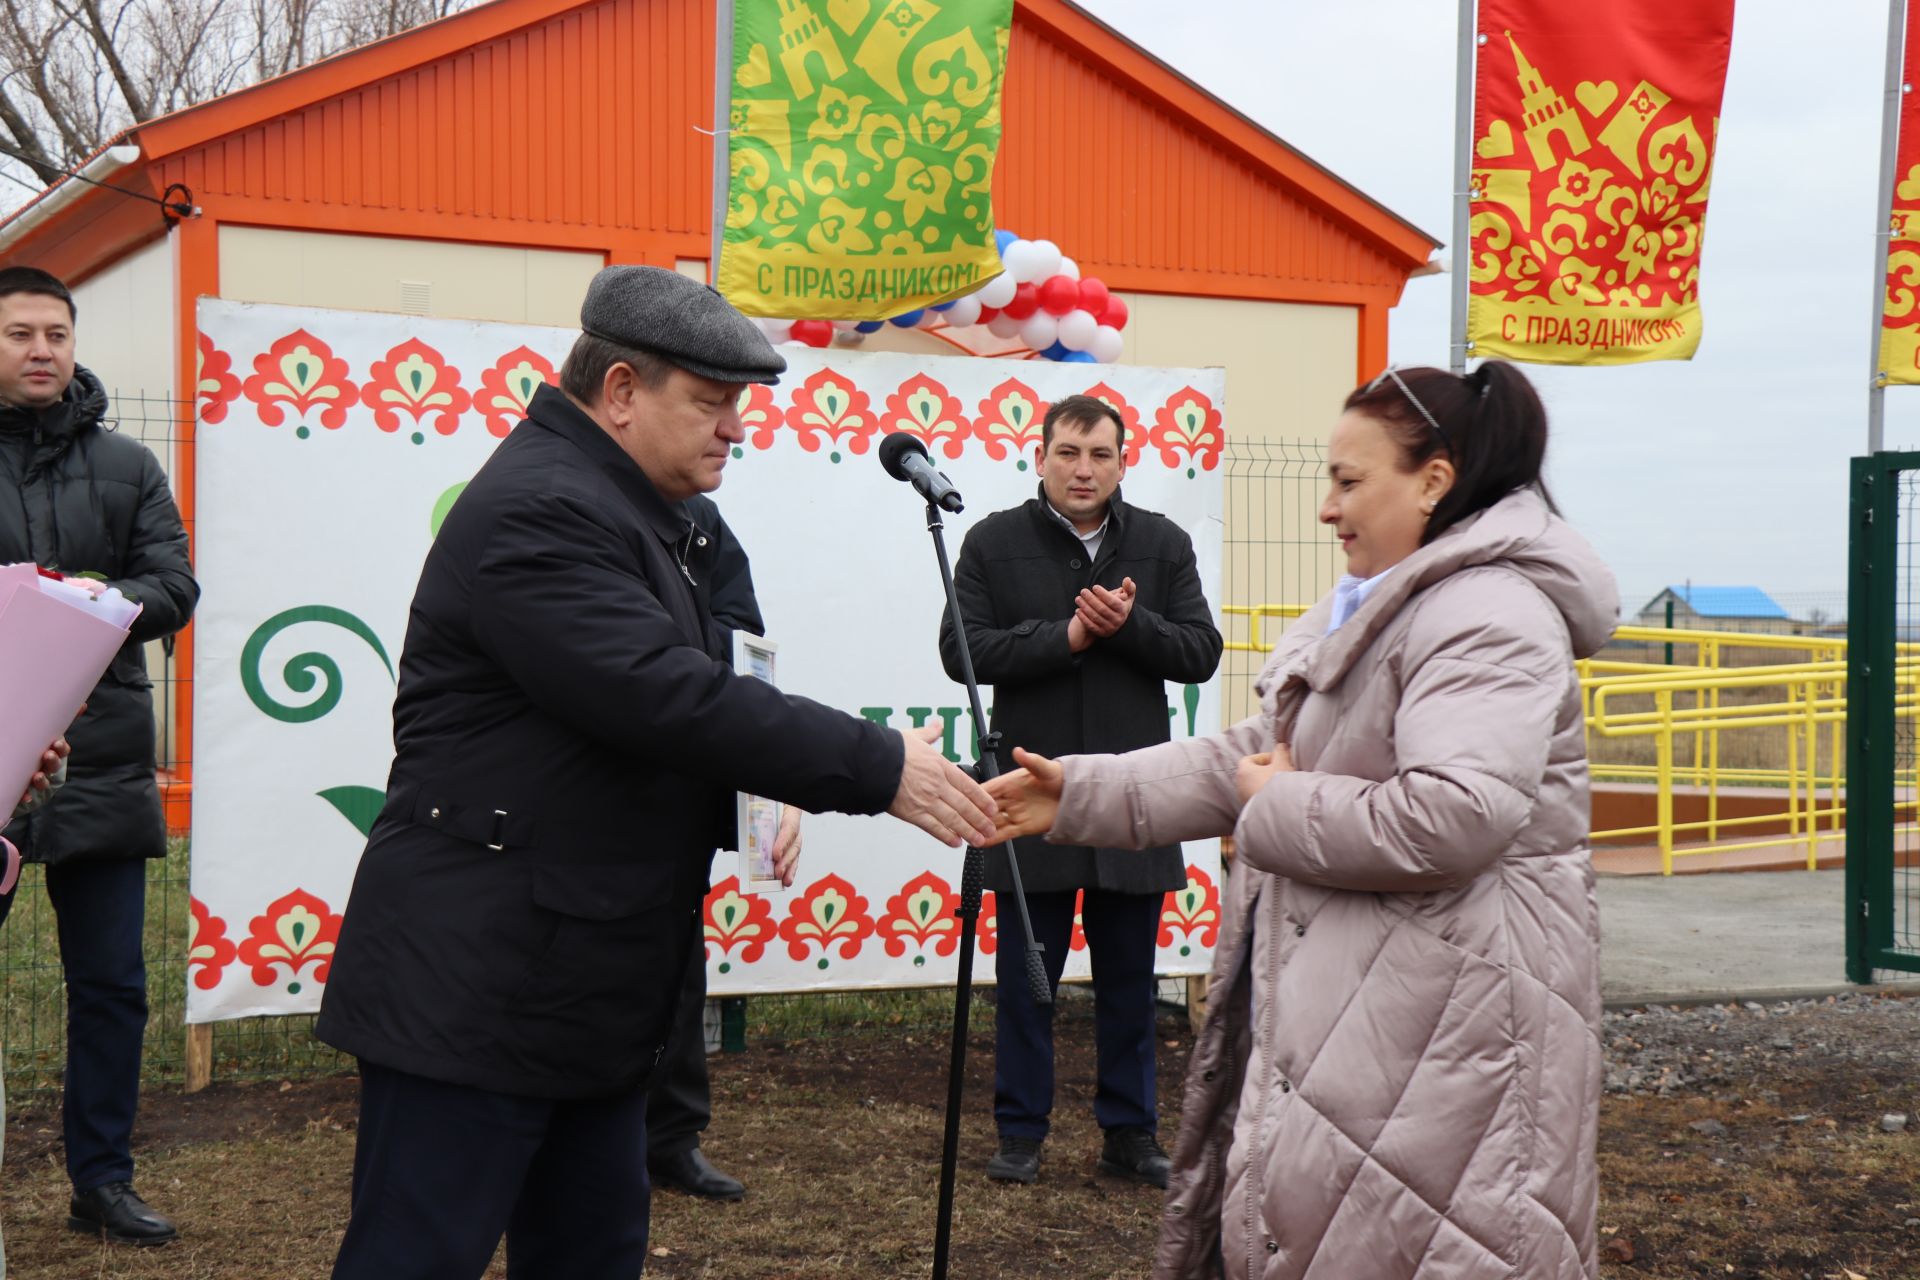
(905, 458)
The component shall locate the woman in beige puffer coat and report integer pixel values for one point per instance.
(1400, 1074)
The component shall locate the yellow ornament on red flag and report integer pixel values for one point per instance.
(1900, 320)
(1594, 128)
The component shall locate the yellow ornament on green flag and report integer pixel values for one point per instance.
(861, 142)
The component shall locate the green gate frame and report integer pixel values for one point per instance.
(1873, 623)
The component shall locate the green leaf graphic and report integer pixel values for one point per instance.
(358, 805)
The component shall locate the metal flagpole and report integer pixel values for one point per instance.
(722, 109)
(1458, 347)
(1883, 211)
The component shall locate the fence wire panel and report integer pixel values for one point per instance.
(1275, 553)
(1904, 898)
(1883, 767)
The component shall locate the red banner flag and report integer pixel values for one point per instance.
(1593, 149)
(1900, 321)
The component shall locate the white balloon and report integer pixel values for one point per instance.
(777, 331)
(965, 311)
(1046, 258)
(844, 326)
(928, 318)
(1107, 344)
(1039, 330)
(849, 338)
(1077, 329)
(1026, 262)
(1069, 268)
(1003, 326)
(997, 292)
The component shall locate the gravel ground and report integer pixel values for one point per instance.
(1738, 1048)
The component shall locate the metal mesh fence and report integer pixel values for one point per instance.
(1273, 551)
(1906, 765)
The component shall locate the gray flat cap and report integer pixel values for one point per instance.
(680, 320)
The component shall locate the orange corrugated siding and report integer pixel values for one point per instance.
(534, 128)
(1130, 188)
(582, 130)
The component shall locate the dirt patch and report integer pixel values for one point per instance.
(1745, 1142)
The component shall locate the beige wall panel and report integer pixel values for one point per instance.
(125, 328)
(430, 277)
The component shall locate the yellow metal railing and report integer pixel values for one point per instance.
(1255, 614)
(1685, 710)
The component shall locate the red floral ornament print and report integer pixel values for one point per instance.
(209, 950)
(415, 380)
(734, 919)
(829, 914)
(507, 389)
(300, 372)
(296, 931)
(213, 382)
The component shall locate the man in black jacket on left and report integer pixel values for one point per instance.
(85, 500)
(567, 749)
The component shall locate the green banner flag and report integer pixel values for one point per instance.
(861, 144)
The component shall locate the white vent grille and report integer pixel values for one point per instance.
(416, 297)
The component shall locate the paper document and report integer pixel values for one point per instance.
(53, 651)
(756, 818)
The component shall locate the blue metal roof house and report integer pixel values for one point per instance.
(1716, 609)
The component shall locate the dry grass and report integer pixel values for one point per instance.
(839, 1139)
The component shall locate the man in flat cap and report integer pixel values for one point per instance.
(568, 745)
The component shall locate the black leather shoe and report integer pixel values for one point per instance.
(1018, 1160)
(1135, 1153)
(116, 1213)
(689, 1171)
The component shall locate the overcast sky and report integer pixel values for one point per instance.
(1731, 467)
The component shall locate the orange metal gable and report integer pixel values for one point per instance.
(570, 125)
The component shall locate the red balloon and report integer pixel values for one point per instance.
(1093, 296)
(1059, 295)
(815, 333)
(1116, 312)
(986, 314)
(1026, 301)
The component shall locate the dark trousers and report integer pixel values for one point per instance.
(441, 1170)
(680, 1106)
(1120, 929)
(100, 910)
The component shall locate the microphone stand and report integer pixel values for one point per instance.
(972, 877)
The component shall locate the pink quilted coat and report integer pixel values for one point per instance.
(1401, 1073)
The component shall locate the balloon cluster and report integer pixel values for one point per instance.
(1040, 298)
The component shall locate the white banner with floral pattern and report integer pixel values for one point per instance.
(332, 443)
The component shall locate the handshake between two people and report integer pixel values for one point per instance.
(1029, 797)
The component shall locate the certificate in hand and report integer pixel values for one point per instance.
(757, 818)
(55, 644)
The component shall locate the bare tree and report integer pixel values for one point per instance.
(74, 73)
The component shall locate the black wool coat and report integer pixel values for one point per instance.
(567, 751)
(78, 497)
(1017, 576)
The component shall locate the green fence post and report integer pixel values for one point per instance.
(733, 1024)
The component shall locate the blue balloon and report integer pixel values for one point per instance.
(1058, 351)
(870, 326)
(1078, 357)
(942, 306)
(906, 319)
(1001, 239)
